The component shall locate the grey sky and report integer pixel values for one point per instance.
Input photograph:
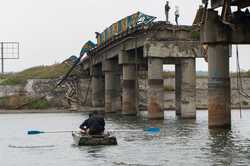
(49, 31)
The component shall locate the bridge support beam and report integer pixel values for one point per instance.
(219, 98)
(97, 86)
(155, 89)
(187, 88)
(112, 86)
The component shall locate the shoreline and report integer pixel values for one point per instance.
(82, 110)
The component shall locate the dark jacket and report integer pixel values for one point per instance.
(94, 123)
(84, 125)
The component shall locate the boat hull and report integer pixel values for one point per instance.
(93, 140)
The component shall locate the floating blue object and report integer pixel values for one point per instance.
(33, 132)
(153, 129)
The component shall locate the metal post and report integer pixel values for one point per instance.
(2, 57)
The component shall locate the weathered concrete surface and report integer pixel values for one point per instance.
(188, 88)
(219, 105)
(166, 49)
(129, 90)
(215, 31)
(155, 89)
(98, 87)
(201, 93)
(169, 96)
(177, 89)
(157, 40)
(112, 86)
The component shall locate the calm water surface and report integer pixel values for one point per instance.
(181, 142)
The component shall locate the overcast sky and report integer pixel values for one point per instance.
(49, 31)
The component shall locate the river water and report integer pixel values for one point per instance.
(180, 142)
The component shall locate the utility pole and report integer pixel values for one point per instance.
(2, 57)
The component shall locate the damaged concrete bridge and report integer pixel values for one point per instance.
(136, 44)
(114, 68)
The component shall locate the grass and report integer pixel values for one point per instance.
(39, 72)
(168, 88)
(15, 101)
(38, 104)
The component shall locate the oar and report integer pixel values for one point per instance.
(34, 132)
(151, 130)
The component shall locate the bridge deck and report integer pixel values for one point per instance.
(159, 36)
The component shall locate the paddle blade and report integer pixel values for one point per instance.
(33, 132)
(153, 129)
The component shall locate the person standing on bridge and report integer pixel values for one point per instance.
(167, 8)
(177, 15)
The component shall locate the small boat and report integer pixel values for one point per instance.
(93, 140)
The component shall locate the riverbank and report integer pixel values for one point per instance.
(50, 110)
(81, 110)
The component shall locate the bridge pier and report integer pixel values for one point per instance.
(129, 90)
(178, 89)
(219, 98)
(218, 38)
(97, 86)
(112, 86)
(129, 83)
(155, 88)
(187, 88)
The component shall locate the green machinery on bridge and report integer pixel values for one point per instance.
(133, 21)
(124, 25)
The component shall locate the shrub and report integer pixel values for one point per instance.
(168, 88)
(38, 104)
(245, 103)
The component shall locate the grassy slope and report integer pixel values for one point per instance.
(39, 72)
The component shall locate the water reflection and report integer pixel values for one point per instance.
(221, 146)
(95, 151)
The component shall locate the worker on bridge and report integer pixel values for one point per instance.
(167, 8)
(177, 15)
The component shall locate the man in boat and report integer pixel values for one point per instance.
(94, 125)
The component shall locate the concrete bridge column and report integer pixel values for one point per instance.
(155, 89)
(129, 97)
(117, 98)
(219, 99)
(129, 90)
(97, 84)
(178, 89)
(187, 88)
(112, 86)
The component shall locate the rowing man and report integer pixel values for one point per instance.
(94, 125)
